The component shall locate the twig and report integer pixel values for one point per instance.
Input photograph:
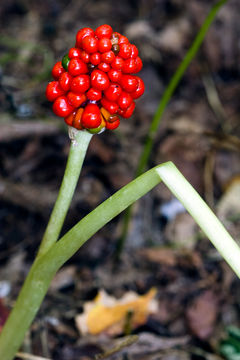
(126, 342)
(26, 356)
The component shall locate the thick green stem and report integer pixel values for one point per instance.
(45, 266)
(78, 148)
(202, 214)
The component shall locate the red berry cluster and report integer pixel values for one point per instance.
(94, 83)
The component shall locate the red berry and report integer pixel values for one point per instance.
(69, 119)
(123, 39)
(61, 107)
(129, 111)
(90, 44)
(65, 81)
(129, 83)
(125, 51)
(53, 91)
(134, 51)
(76, 100)
(77, 67)
(104, 44)
(81, 34)
(80, 84)
(113, 92)
(140, 88)
(139, 64)
(110, 106)
(103, 31)
(94, 94)
(124, 100)
(112, 125)
(57, 70)
(85, 56)
(74, 53)
(104, 67)
(117, 63)
(108, 57)
(114, 75)
(77, 119)
(99, 80)
(91, 116)
(95, 58)
(129, 66)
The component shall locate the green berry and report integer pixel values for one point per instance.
(65, 61)
(96, 130)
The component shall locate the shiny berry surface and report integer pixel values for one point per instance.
(80, 84)
(103, 31)
(124, 100)
(139, 90)
(77, 67)
(54, 90)
(81, 34)
(104, 44)
(91, 116)
(57, 70)
(90, 44)
(76, 100)
(113, 92)
(99, 80)
(65, 81)
(111, 106)
(74, 53)
(61, 107)
(129, 83)
(95, 82)
(94, 94)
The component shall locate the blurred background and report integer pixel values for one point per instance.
(197, 294)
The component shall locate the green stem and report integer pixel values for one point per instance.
(78, 148)
(45, 267)
(167, 95)
(202, 214)
(176, 78)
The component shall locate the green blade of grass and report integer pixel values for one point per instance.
(167, 95)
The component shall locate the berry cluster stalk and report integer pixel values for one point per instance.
(79, 144)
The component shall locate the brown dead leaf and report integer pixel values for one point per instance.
(202, 314)
(107, 314)
(163, 256)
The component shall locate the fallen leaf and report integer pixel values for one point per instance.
(163, 256)
(202, 314)
(107, 314)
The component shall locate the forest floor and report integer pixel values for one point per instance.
(197, 295)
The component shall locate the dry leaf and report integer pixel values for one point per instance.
(202, 314)
(107, 314)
